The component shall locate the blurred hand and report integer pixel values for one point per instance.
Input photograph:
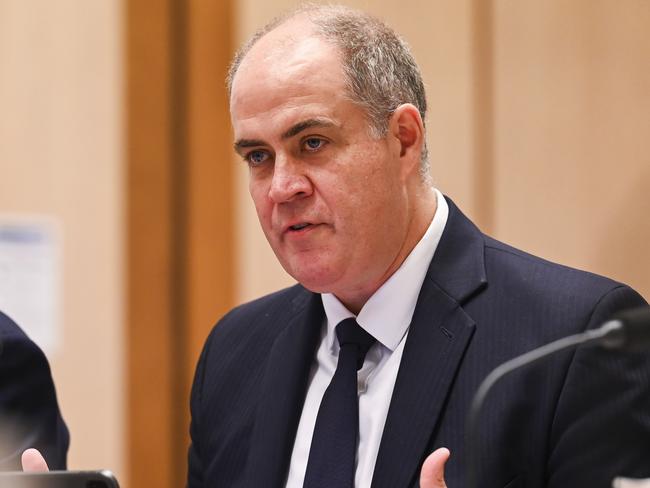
(32, 460)
(433, 469)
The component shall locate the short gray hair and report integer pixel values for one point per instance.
(380, 70)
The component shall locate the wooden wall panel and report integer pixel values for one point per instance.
(482, 22)
(179, 219)
(210, 208)
(150, 249)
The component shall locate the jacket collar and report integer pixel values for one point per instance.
(439, 334)
(458, 266)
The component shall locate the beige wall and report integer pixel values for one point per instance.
(572, 126)
(537, 126)
(60, 156)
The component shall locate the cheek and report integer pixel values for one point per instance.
(373, 183)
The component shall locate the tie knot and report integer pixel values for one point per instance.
(350, 334)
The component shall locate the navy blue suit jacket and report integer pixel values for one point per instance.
(576, 420)
(29, 413)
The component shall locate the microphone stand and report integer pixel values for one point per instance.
(610, 334)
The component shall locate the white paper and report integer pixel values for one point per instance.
(30, 281)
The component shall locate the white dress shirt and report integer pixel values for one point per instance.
(386, 316)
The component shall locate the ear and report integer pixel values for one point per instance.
(407, 130)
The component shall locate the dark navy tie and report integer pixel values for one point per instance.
(333, 449)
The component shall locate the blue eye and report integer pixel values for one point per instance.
(314, 143)
(256, 157)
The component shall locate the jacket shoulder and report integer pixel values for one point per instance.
(249, 330)
(263, 310)
(503, 260)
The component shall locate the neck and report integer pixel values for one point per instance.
(421, 217)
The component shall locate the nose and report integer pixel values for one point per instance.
(289, 181)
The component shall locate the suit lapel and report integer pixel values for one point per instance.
(438, 337)
(439, 334)
(283, 392)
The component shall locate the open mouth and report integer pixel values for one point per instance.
(300, 226)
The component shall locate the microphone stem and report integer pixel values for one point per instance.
(531, 357)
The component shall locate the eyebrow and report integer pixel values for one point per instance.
(307, 124)
(291, 132)
(242, 143)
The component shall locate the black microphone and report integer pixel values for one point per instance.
(627, 331)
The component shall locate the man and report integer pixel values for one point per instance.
(29, 413)
(327, 106)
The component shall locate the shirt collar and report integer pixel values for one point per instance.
(388, 312)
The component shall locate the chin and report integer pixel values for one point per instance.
(314, 276)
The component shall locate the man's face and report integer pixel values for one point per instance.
(331, 199)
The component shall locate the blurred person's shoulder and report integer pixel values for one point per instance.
(14, 340)
(9, 328)
(29, 411)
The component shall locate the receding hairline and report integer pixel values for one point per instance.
(282, 47)
(310, 13)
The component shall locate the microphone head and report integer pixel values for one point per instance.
(631, 331)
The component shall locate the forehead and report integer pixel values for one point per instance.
(287, 72)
